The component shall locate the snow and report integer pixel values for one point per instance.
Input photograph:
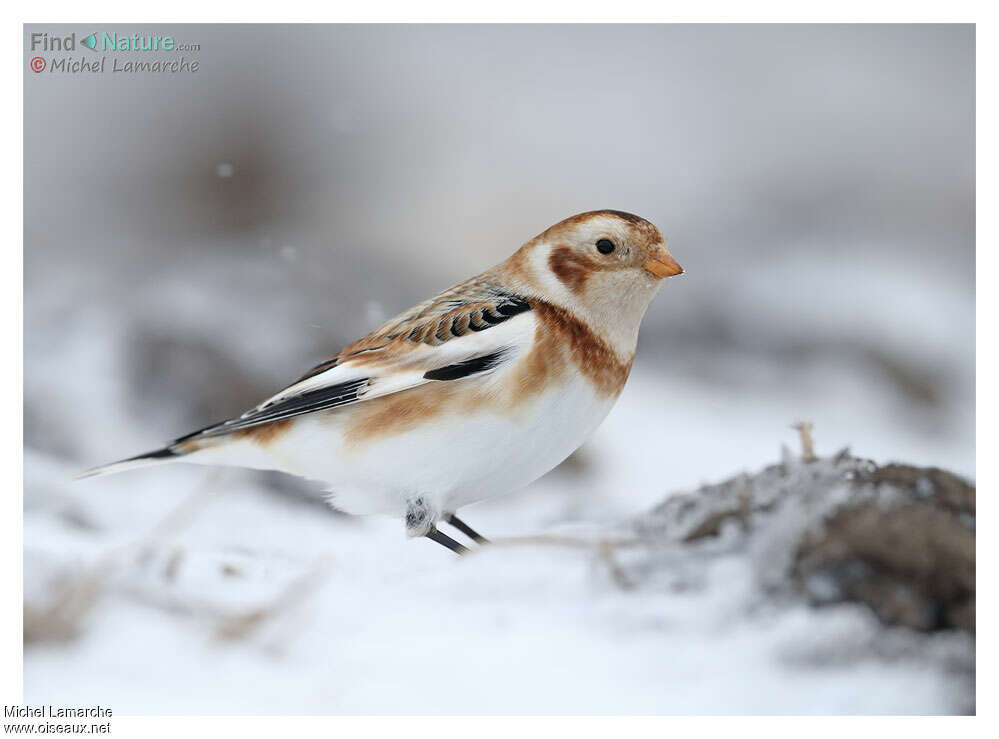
(385, 629)
(355, 618)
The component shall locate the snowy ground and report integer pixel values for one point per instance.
(249, 601)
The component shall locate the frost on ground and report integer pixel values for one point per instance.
(832, 585)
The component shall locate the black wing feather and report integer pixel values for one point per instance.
(297, 405)
(469, 367)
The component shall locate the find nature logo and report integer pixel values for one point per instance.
(103, 42)
(108, 41)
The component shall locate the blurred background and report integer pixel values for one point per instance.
(195, 240)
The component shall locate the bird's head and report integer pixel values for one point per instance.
(606, 265)
(588, 245)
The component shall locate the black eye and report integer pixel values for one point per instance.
(605, 246)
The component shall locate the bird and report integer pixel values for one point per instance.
(473, 393)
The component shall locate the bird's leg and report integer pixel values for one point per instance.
(465, 529)
(435, 535)
(421, 520)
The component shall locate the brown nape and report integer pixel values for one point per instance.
(266, 433)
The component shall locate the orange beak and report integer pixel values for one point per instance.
(662, 264)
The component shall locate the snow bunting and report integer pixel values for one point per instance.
(477, 391)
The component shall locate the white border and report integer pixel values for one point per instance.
(512, 10)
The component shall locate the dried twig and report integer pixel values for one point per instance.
(560, 541)
(804, 429)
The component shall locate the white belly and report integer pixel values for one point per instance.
(450, 461)
(462, 460)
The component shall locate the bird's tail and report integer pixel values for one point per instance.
(160, 456)
(206, 446)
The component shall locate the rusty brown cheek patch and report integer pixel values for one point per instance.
(572, 268)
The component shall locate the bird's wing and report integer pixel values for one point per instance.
(467, 330)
